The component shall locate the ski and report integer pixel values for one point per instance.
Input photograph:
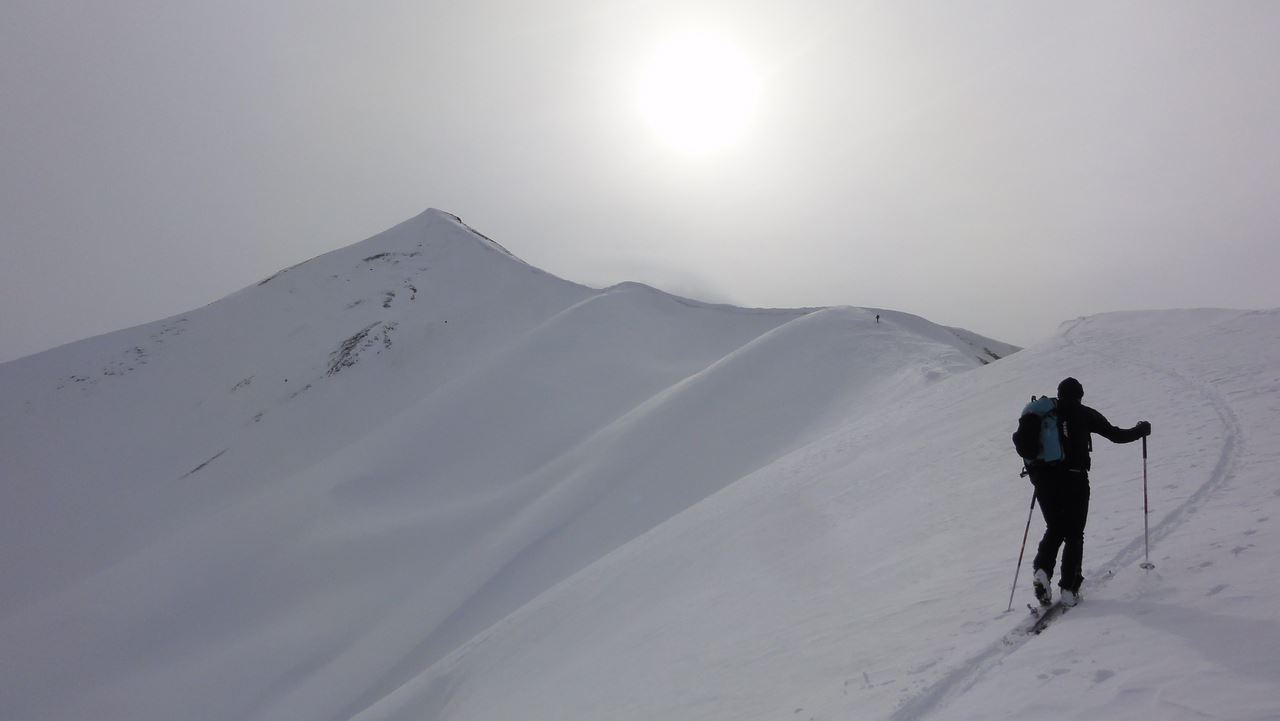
(1044, 615)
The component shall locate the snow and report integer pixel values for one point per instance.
(417, 478)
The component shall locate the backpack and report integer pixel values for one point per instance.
(1038, 439)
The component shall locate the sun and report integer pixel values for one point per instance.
(698, 92)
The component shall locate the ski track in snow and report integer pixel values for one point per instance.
(460, 514)
(969, 672)
(1223, 470)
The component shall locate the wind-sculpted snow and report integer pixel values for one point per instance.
(417, 478)
(865, 575)
(291, 502)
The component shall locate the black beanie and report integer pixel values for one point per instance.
(1070, 390)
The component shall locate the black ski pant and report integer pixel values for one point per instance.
(1064, 501)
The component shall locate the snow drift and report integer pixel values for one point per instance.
(289, 502)
(419, 479)
(865, 575)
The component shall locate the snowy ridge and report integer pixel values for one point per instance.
(292, 501)
(828, 585)
(416, 478)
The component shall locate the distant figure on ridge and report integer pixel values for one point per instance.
(877, 317)
(1055, 437)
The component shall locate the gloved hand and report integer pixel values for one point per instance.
(1144, 428)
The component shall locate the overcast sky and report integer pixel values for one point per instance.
(1000, 166)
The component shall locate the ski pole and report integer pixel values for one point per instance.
(1146, 510)
(1018, 570)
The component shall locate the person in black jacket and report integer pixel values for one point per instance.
(1063, 491)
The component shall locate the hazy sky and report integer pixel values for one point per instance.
(1001, 166)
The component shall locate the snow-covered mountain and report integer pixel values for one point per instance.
(417, 478)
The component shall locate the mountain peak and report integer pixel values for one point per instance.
(412, 437)
(433, 218)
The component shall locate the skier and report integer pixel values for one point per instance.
(1063, 491)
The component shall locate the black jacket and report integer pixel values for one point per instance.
(1078, 423)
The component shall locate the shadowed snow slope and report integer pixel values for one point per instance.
(310, 499)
